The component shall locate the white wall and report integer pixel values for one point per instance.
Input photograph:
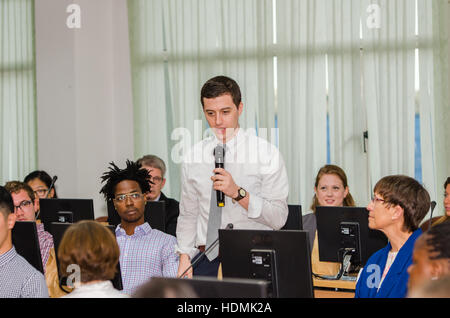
(84, 102)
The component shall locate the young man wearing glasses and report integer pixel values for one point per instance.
(157, 171)
(25, 208)
(144, 252)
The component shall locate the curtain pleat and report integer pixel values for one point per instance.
(18, 146)
(433, 100)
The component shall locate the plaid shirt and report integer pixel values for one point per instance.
(145, 254)
(45, 244)
(18, 279)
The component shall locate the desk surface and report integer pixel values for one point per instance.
(340, 284)
(334, 288)
(320, 293)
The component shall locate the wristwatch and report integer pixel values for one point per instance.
(241, 194)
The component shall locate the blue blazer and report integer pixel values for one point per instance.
(395, 284)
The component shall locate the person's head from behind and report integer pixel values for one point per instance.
(159, 287)
(439, 288)
(25, 203)
(431, 256)
(331, 188)
(399, 204)
(221, 100)
(7, 220)
(91, 248)
(126, 188)
(40, 181)
(447, 197)
(157, 170)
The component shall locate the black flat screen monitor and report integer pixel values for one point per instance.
(211, 287)
(280, 257)
(155, 214)
(58, 229)
(65, 210)
(294, 219)
(338, 227)
(26, 242)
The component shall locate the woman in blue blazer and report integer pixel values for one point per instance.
(398, 206)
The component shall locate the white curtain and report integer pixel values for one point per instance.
(301, 92)
(433, 96)
(389, 91)
(372, 75)
(176, 46)
(345, 107)
(18, 147)
(279, 51)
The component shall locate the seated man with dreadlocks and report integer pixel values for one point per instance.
(144, 252)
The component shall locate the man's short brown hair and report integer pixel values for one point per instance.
(407, 193)
(16, 186)
(221, 85)
(92, 247)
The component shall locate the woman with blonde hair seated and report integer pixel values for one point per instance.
(89, 253)
(331, 189)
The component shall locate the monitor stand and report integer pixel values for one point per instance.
(344, 271)
(346, 264)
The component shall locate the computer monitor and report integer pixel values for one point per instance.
(65, 210)
(211, 287)
(280, 257)
(345, 230)
(154, 214)
(58, 229)
(294, 220)
(26, 242)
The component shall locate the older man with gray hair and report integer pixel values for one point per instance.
(157, 171)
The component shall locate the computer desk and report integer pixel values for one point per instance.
(324, 288)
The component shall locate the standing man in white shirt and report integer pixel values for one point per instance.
(254, 179)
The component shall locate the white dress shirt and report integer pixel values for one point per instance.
(255, 165)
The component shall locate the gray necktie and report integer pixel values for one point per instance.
(214, 222)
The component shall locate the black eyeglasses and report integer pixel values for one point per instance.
(41, 192)
(26, 204)
(134, 196)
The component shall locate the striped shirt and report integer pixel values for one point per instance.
(145, 254)
(45, 244)
(18, 279)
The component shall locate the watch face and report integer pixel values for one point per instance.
(242, 192)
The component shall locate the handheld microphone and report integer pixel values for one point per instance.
(205, 252)
(219, 155)
(433, 205)
(51, 186)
